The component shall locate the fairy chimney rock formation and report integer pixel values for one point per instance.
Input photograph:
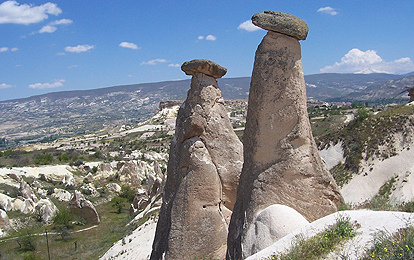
(281, 160)
(204, 166)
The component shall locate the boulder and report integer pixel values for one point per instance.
(113, 187)
(4, 220)
(62, 195)
(83, 208)
(45, 210)
(281, 161)
(68, 180)
(270, 225)
(202, 175)
(5, 202)
(283, 23)
(206, 67)
(27, 206)
(26, 191)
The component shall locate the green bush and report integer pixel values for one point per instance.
(322, 243)
(392, 246)
(63, 218)
(128, 193)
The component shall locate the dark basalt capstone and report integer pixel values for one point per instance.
(207, 67)
(282, 23)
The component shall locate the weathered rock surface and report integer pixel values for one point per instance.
(4, 219)
(206, 67)
(203, 172)
(283, 23)
(411, 94)
(270, 225)
(282, 164)
(26, 191)
(45, 210)
(83, 208)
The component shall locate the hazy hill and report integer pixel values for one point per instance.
(70, 112)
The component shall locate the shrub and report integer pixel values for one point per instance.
(63, 218)
(128, 193)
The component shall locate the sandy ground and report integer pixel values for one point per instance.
(58, 170)
(370, 222)
(136, 246)
(373, 176)
(332, 155)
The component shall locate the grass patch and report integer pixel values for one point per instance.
(399, 245)
(381, 201)
(341, 175)
(322, 243)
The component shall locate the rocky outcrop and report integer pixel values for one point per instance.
(411, 94)
(282, 164)
(45, 210)
(203, 172)
(270, 225)
(83, 208)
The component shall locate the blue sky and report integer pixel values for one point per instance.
(85, 44)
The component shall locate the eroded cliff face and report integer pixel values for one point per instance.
(281, 160)
(203, 173)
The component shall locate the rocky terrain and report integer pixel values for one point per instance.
(50, 116)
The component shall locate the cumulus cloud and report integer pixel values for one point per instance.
(4, 85)
(4, 49)
(153, 62)
(248, 26)
(79, 48)
(51, 27)
(209, 37)
(173, 65)
(357, 61)
(13, 12)
(327, 10)
(56, 84)
(129, 45)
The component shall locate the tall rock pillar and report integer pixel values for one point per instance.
(281, 160)
(206, 159)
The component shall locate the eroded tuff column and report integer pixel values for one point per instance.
(206, 159)
(281, 161)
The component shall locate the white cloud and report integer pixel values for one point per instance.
(62, 22)
(51, 27)
(173, 65)
(4, 49)
(248, 26)
(4, 85)
(13, 12)
(327, 10)
(56, 84)
(153, 62)
(357, 61)
(211, 37)
(79, 48)
(129, 45)
(48, 29)
(73, 66)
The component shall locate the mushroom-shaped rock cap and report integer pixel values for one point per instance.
(207, 67)
(282, 23)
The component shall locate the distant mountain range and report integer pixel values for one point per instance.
(70, 112)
